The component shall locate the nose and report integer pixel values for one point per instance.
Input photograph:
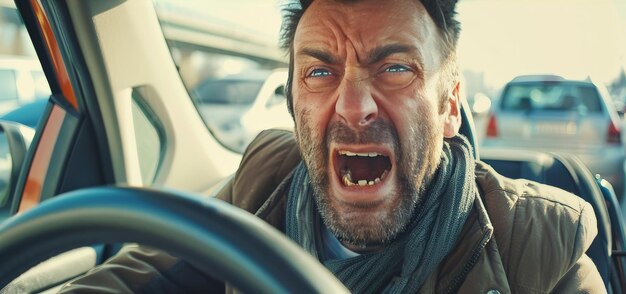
(356, 105)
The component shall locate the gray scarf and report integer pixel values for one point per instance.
(405, 263)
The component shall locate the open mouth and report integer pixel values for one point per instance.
(361, 168)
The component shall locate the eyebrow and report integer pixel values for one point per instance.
(374, 56)
(383, 52)
(319, 54)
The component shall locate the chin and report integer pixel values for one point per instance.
(360, 224)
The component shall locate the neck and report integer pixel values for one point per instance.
(361, 249)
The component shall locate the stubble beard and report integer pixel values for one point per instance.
(362, 225)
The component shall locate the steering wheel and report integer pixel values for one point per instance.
(217, 238)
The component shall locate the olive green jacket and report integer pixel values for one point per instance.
(521, 237)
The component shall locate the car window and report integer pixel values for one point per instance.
(24, 91)
(551, 97)
(227, 57)
(5, 169)
(576, 40)
(8, 85)
(40, 84)
(225, 91)
(149, 136)
(278, 97)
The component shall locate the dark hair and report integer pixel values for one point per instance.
(442, 12)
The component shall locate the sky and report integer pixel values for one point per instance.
(573, 38)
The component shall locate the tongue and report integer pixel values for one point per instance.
(366, 168)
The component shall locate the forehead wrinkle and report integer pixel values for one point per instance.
(381, 52)
(319, 45)
(423, 34)
(347, 30)
(319, 54)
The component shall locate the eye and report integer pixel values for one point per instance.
(319, 72)
(397, 68)
(395, 76)
(320, 79)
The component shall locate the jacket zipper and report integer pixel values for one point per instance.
(456, 283)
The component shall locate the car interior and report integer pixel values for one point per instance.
(123, 176)
(540, 167)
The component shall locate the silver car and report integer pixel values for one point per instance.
(550, 113)
(237, 107)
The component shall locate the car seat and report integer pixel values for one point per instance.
(562, 171)
(618, 230)
(525, 103)
(568, 173)
(568, 102)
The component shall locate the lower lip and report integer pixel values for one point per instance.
(365, 193)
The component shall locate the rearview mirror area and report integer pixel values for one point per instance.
(15, 139)
(5, 168)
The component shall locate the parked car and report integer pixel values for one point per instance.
(237, 107)
(553, 114)
(21, 81)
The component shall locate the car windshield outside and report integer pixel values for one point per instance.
(8, 89)
(551, 96)
(21, 81)
(214, 59)
(227, 55)
(227, 91)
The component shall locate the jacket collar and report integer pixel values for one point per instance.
(469, 253)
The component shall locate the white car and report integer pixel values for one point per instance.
(237, 107)
(21, 81)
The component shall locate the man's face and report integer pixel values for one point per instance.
(369, 121)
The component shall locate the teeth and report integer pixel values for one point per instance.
(347, 181)
(367, 154)
(382, 177)
(361, 183)
(347, 178)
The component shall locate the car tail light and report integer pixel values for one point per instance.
(614, 135)
(492, 127)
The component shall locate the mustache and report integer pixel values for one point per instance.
(377, 132)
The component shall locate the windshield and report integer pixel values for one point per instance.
(213, 40)
(8, 89)
(551, 97)
(227, 54)
(227, 92)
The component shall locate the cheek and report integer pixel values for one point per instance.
(314, 110)
(414, 115)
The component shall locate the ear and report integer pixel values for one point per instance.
(452, 121)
